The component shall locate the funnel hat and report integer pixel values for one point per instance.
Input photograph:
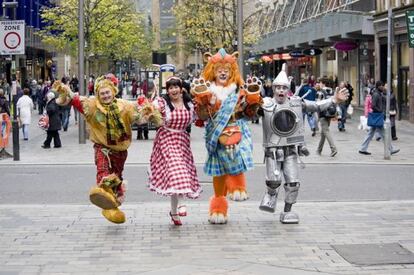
(282, 78)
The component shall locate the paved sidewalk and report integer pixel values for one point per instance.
(348, 144)
(75, 239)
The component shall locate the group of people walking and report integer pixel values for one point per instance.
(223, 104)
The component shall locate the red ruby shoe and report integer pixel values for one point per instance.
(175, 219)
(182, 211)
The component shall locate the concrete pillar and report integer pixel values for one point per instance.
(411, 87)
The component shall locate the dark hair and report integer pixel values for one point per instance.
(26, 91)
(174, 81)
(379, 83)
(186, 97)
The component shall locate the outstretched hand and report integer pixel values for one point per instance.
(341, 95)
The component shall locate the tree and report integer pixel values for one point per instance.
(113, 29)
(211, 24)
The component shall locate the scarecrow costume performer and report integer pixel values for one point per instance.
(109, 120)
(226, 105)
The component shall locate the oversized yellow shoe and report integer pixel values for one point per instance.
(103, 197)
(114, 215)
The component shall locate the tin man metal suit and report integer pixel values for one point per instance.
(283, 141)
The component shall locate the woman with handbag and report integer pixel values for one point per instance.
(52, 110)
(172, 169)
(376, 119)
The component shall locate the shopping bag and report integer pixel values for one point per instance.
(43, 122)
(363, 123)
(350, 110)
(375, 119)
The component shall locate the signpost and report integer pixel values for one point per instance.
(12, 37)
(410, 28)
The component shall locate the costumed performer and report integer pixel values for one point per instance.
(226, 106)
(109, 120)
(283, 139)
(172, 170)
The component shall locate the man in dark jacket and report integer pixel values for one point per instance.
(378, 106)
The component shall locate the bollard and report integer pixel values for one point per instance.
(16, 146)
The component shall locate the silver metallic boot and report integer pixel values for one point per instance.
(268, 203)
(289, 217)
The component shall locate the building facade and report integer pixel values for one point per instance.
(402, 69)
(37, 62)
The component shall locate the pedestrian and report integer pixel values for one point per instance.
(268, 91)
(378, 106)
(53, 112)
(109, 120)
(33, 92)
(4, 104)
(134, 90)
(325, 117)
(342, 107)
(24, 112)
(309, 93)
(393, 114)
(172, 169)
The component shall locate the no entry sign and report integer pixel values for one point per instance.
(12, 37)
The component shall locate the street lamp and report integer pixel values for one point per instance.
(81, 69)
(387, 122)
(240, 34)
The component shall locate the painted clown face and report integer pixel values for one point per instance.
(280, 93)
(222, 75)
(105, 95)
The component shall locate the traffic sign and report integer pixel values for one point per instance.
(410, 28)
(12, 37)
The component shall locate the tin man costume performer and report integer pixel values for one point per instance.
(283, 138)
(109, 120)
(226, 106)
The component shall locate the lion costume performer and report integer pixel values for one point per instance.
(226, 105)
(109, 120)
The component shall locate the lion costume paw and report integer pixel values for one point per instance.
(236, 187)
(202, 97)
(218, 210)
(252, 98)
(238, 195)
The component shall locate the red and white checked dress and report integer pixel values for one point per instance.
(172, 169)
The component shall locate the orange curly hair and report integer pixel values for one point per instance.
(219, 60)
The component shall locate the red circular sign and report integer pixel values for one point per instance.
(10, 40)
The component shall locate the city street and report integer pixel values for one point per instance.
(49, 227)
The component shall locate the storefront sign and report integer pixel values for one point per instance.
(410, 28)
(345, 46)
(296, 54)
(312, 51)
